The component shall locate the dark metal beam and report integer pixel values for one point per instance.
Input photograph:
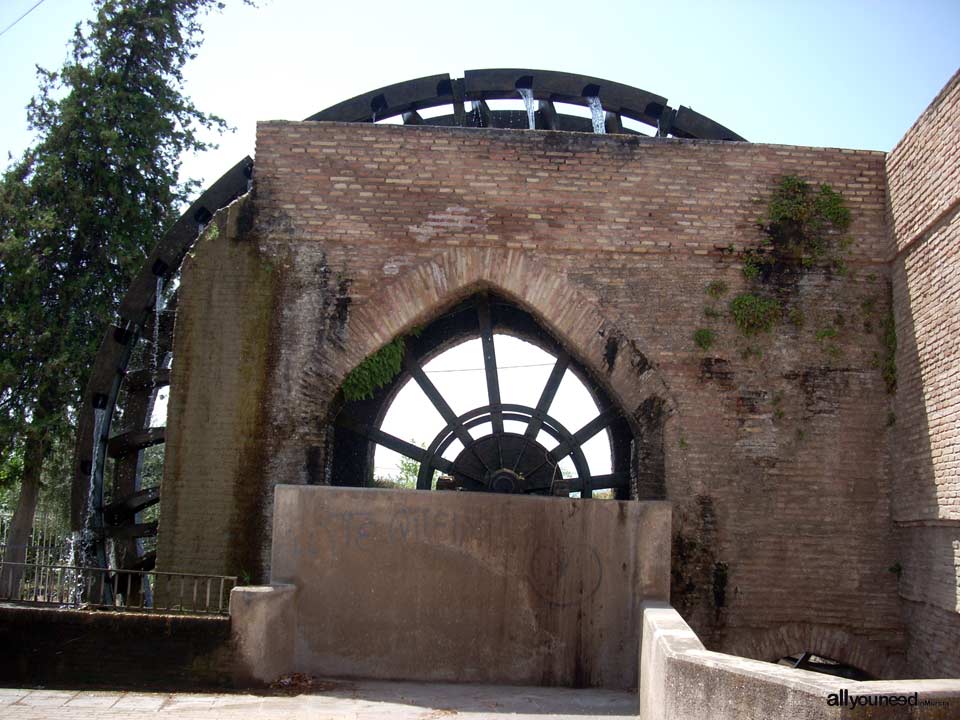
(490, 363)
(612, 123)
(688, 123)
(400, 446)
(430, 390)
(146, 379)
(548, 394)
(132, 531)
(127, 507)
(585, 433)
(548, 115)
(134, 441)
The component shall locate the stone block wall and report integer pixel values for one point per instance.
(213, 499)
(923, 173)
(775, 444)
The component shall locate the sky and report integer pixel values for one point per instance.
(840, 73)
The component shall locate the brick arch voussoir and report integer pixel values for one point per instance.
(824, 640)
(417, 295)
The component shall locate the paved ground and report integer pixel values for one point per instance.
(331, 701)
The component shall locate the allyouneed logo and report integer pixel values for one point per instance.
(845, 699)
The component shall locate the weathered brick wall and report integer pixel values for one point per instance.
(775, 445)
(924, 190)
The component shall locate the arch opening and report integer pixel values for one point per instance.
(551, 429)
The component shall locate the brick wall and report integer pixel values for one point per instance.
(924, 194)
(775, 446)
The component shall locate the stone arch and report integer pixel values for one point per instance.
(828, 641)
(595, 341)
(574, 318)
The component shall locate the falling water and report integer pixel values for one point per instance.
(527, 95)
(78, 546)
(154, 349)
(596, 112)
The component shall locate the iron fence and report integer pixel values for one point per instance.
(70, 586)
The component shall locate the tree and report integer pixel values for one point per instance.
(79, 212)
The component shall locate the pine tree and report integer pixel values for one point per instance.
(80, 211)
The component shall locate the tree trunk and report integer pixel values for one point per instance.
(22, 523)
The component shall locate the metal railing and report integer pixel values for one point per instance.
(69, 586)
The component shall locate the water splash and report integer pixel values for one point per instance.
(157, 308)
(80, 543)
(597, 114)
(527, 95)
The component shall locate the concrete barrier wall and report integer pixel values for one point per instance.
(469, 587)
(680, 680)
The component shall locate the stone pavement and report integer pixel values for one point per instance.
(362, 700)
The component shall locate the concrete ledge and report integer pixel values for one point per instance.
(264, 621)
(680, 679)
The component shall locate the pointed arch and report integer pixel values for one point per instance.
(420, 293)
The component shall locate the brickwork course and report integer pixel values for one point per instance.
(813, 509)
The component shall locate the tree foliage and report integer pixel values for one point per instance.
(84, 205)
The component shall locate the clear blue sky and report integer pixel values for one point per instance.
(841, 74)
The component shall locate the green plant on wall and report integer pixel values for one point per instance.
(717, 289)
(704, 338)
(753, 313)
(376, 371)
(803, 221)
(886, 359)
(804, 225)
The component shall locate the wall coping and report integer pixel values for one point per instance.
(668, 643)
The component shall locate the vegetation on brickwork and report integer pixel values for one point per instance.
(754, 314)
(803, 226)
(704, 338)
(375, 371)
(826, 336)
(711, 312)
(796, 317)
(807, 223)
(717, 289)
(886, 358)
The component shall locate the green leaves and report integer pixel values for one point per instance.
(754, 314)
(375, 371)
(82, 208)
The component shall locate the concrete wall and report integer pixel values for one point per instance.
(265, 624)
(775, 445)
(468, 587)
(924, 182)
(681, 680)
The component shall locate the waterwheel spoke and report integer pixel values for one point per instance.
(490, 364)
(581, 436)
(597, 482)
(548, 394)
(430, 390)
(392, 442)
